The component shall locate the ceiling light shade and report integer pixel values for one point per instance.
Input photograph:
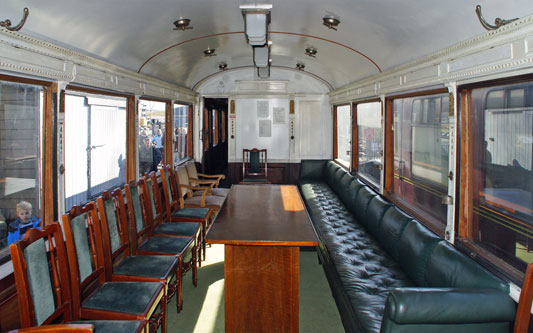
(331, 21)
(223, 66)
(256, 21)
(300, 65)
(182, 24)
(311, 51)
(209, 52)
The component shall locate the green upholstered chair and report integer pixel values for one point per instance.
(93, 295)
(43, 286)
(119, 263)
(254, 166)
(211, 181)
(169, 219)
(148, 243)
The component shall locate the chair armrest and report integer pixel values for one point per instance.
(203, 181)
(57, 328)
(447, 306)
(219, 176)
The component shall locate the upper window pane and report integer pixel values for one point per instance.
(151, 135)
(344, 135)
(503, 178)
(95, 146)
(421, 148)
(181, 125)
(21, 109)
(369, 139)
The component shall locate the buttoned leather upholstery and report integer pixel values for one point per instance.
(376, 256)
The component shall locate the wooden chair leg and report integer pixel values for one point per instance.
(523, 313)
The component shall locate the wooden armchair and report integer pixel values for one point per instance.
(254, 166)
(211, 181)
(187, 198)
(119, 263)
(147, 243)
(93, 295)
(43, 286)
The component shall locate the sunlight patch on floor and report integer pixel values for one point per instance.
(213, 301)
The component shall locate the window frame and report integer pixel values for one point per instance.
(465, 167)
(388, 183)
(189, 143)
(336, 140)
(355, 142)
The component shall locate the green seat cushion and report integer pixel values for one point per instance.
(115, 326)
(195, 213)
(178, 228)
(126, 297)
(145, 266)
(175, 245)
(255, 180)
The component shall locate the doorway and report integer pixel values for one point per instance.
(215, 136)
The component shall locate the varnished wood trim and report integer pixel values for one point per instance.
(466, 166)
(47, 149)
(168, 146)
(24, 80)
(389, 146)
(523, 313)
(97, 91)
(355, 139)
(419, 93)
(190, 132)
(335, 141)
(131, 139)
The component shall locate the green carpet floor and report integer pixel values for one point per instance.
(203, 307)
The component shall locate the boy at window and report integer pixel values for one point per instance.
(25, 221)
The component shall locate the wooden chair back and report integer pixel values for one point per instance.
(41, 276)
(115, 238)
(182, 180)
(254, 163)
(84, 253)
(155, 200)
(523, 313)
(170, 191)
(140, 229)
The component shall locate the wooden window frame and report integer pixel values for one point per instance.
(465, 169)
(336, 140)
(431, 223)
(169, 127)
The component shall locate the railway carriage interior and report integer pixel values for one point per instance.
(403, 132)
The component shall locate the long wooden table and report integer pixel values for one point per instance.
(262, 228)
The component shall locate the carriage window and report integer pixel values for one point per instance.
(502, 214)
(421, 143)
(95, 145)
(370, 132)
(181, 125)
(151, 135)
(344, 135)
(21, 110)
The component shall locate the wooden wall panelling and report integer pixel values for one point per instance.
(131, 139)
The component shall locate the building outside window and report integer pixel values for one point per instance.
(344, 135)
(21, 114)
(370, 133)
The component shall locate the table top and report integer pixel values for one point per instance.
(263, 215)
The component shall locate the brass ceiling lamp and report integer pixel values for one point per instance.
(183, 24)
(331, 22)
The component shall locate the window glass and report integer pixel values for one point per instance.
(369, 139)
(181, 125)
(503, 177)
(421, 143)
(344, 135)
(151, 135)
(95, 146)
(21, 109)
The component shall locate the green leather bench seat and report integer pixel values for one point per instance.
(390, 273)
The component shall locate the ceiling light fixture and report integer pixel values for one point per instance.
(209, 52)
(223, 66)
(311, 51)
(256, 21)
(300, 65)
(182, 24)
(331, 21)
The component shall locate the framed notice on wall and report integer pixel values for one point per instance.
(279, 115)
(262, 109)
(265, 128)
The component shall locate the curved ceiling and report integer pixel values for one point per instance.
(372, 36)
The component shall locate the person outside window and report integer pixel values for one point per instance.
(26, 220)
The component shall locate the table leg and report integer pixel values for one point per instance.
(262, 288)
